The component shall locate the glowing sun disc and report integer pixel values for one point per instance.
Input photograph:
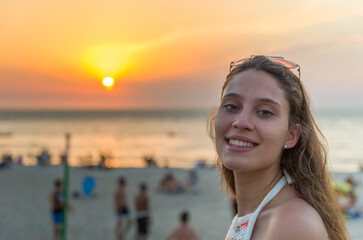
(108, 82)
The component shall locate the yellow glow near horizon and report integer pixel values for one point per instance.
(108, 59)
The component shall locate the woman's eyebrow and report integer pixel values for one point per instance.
(268, 100)
(259, 100)
(232, 95)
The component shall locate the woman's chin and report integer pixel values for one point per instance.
(236, 165)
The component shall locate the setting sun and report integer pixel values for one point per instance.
(108, 82)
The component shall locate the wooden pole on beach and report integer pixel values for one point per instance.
(65, 187)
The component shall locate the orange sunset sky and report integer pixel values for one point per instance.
(171, 54)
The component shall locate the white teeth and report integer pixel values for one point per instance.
(240, 143)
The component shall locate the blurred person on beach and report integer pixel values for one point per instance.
(170, 185)
(192, 181)
(200, 164)
(19, 160)
(56, 200)
(7, 160)
(348, 198)
(150, 161)
(102, 162)
(62, 158)
(354, 209)
(183, 231)
(142, 204)
(271, 155)
(44, 157)
(124, 222)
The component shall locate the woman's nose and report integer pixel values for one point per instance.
(243, 121)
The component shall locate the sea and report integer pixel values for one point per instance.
(125, 138)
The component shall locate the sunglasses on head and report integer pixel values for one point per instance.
(280, 60)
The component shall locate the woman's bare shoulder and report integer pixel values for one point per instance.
(295, 219)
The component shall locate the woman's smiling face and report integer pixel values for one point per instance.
(252, 123)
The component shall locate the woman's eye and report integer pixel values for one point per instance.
(231, 107)
(265, 113)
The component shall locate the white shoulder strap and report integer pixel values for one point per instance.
(274, 191)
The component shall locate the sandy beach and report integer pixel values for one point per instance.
(25, 206)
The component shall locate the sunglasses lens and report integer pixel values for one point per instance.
(278, 60)
(284, 62)
(239, 62)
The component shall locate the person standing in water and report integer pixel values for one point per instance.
(271, 156)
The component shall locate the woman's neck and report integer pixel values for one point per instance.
(251, 188)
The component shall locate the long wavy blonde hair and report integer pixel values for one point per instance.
(306, 162)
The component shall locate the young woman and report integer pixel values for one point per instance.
(271, 156)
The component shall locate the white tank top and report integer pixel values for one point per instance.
(242, 227)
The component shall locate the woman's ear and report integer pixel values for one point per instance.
(293, 135)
